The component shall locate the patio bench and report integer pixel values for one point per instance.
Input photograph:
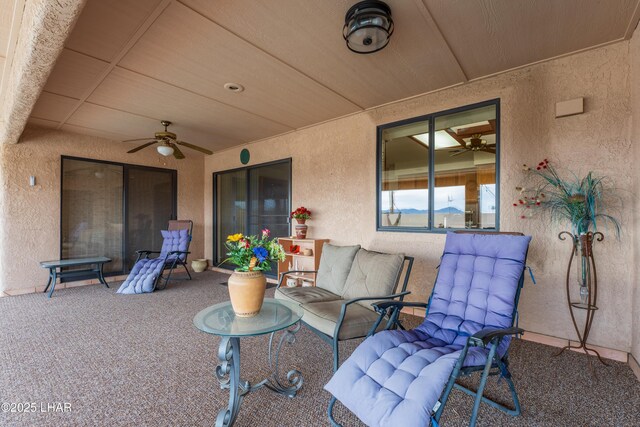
(349, 279)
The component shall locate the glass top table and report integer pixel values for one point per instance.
(275, 315)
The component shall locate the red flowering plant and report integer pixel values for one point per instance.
(580, 201)
(301, 213)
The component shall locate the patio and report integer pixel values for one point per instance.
(117, 116)
(139, 360)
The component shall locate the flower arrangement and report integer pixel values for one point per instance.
(253, 253)
(301, 213)
(581, 202)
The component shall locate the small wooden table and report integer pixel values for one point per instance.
(95, 267)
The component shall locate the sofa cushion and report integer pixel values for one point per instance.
(304, 295)
(372, 274)
(335, 264)
(323, 316)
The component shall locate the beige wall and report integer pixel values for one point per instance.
(30, 216)
(334, 176)
(635, 138)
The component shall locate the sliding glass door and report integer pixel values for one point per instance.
(150, 205)
(250, 199)
(111, 209)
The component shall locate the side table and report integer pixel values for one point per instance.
(275, 315)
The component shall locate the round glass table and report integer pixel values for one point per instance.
(275, 315)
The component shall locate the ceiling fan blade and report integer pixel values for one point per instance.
(194, 147)
(488, 150)
(137, 139)
(458, 153)
(142, 146)
(177, 153)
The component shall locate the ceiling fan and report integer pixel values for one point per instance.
(476, 143)
(169, 143)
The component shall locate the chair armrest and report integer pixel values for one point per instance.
(147, 252)
(284, 273)
(385, 297)
(383, 306)
(178, 252)
(346, 304)
(487, 335)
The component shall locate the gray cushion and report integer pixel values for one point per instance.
(372, 274)
(323, 316)
(304, 295)
(335, 264)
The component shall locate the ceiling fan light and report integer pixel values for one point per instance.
(368, 26)
(165, 150)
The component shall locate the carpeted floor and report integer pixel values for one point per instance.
(138, 360)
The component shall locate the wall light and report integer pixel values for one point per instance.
(368, 26)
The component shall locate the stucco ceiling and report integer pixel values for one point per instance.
(130, 63)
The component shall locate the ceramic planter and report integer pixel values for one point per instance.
(199, 265)
(246, 291)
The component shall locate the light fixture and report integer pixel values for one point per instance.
(165, 150)
(368, 26)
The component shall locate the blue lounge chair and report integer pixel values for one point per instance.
(403, 378)
(147, 273)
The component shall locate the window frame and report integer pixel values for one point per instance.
(431, 119)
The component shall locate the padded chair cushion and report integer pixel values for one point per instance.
(335, 264)
(323, 316)
(304, 295)
(372, 274)
(174, 240)
(396, 377)
(142, 277)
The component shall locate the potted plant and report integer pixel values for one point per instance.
(582, 202)
(252, 255)
(301, 215)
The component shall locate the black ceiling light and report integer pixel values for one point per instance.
(368, 26)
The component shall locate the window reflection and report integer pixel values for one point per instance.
(464, 171)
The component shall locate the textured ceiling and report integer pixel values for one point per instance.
(130, 63)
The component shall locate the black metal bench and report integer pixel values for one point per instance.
(95, 267)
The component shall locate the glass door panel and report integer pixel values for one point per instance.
(269, 199)
(150, 205)
(92, 214)
(231, 208)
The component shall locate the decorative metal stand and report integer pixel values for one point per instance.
(228, 374)
(587, 278)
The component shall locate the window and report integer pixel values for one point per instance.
(112, 209)
(450, 184)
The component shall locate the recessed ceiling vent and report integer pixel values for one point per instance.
(234, 87)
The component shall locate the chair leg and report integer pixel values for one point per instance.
(184, 264)
(332, 420)
(336, 355)
(481, 386)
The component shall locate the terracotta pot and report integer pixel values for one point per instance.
(199, 265)
(246, 291)
(301, 231)
(301, 221)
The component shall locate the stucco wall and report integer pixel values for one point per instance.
(30, 216)
(635, 138)
(334, 176)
